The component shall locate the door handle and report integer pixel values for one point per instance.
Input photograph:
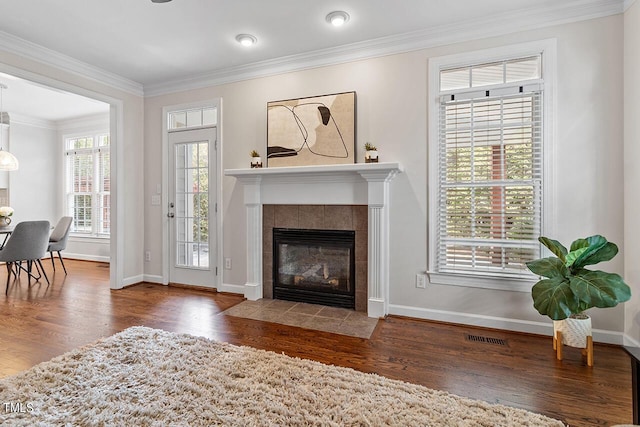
(170, 215)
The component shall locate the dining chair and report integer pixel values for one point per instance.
(58, 240)
(28, 243)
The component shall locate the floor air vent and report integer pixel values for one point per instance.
(487, 340)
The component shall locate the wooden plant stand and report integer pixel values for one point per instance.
(557, 346)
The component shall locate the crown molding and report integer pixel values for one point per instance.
(19, 119)
(628, 3)
(95, 121)
(534, 18)
(35, 52)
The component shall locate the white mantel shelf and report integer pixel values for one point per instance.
(345, 184)
(317, 171)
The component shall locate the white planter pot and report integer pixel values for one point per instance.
(256, 162)
(371, 156)
(575, 330)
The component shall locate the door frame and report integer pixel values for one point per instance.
(166, 258)
(116, 149)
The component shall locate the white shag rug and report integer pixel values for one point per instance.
(149, 377)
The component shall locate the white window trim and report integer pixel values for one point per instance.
(549, 58)
(85, 237)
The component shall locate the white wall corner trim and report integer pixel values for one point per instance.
(133, 280)
(35, 52)
(630, 342)
(539, 328)
(152, 278)
(506, 23)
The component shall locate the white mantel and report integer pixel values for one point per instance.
(347, 184)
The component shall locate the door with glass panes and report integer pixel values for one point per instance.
(191, 212)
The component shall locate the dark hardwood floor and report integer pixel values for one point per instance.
(40, 322)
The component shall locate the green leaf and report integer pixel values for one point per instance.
(591, 255)
(579, 243)
(554, 246)
(599, 289)
(603, 253)
(553, 297)
(548, 267)
(574, 255)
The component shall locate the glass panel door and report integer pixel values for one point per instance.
(192, 207)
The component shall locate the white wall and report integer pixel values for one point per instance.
(34, 188)
(392, 113)
(631, 169)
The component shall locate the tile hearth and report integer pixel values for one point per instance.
(311, 316)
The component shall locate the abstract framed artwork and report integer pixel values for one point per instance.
(318, 130)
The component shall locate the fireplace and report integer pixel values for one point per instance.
(333, 187)
(314, 266)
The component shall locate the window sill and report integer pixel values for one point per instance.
(483, 282)
(89, 238)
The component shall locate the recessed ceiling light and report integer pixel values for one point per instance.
(337, 18)
(246, 39)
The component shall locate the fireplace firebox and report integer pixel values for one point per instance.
(314, 266)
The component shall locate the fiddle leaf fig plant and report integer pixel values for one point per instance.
(569, 288)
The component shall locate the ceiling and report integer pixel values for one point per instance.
(152, 43)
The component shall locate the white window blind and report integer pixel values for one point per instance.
(89, 184)
(490, 176)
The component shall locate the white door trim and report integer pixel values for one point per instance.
(217, 103)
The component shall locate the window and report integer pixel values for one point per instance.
(487, 206)
(88, 184)
(193, 118)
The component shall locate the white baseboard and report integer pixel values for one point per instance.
(252, 291)
(83, 257)
(526, 326)
(152, 278)
(233, 289)
(128, 281)
(628, 341)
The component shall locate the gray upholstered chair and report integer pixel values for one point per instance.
(58, 240)
(28, 243)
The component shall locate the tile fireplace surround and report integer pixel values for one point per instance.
(317, 217)
(348, 184)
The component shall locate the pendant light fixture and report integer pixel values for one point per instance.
(8, 161)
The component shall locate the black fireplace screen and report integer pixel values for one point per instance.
(314, 266)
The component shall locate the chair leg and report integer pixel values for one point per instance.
(53, 264)
(29, 275)
(62, 262)
(42, 271)
(9, 269)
